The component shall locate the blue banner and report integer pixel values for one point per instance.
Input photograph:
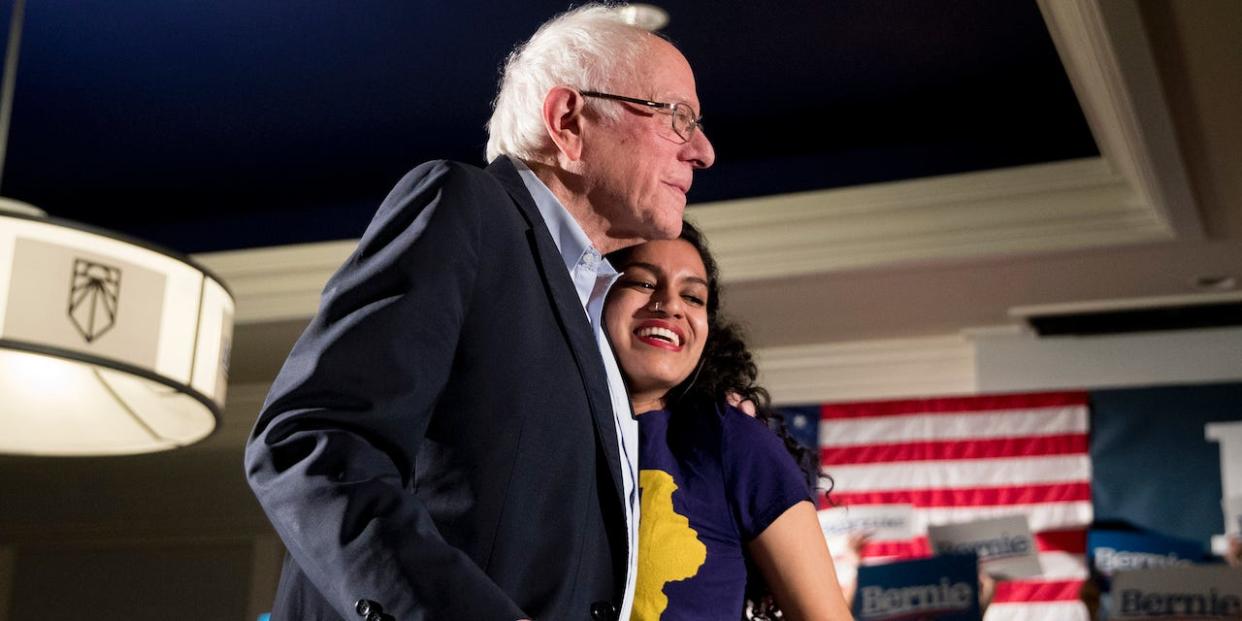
(1151, 464)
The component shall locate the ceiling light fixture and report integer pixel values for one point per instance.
(646, 16)
(108, 345)
(1215, 282)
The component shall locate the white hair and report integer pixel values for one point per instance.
(587, 48)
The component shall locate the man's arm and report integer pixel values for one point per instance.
(341, 428)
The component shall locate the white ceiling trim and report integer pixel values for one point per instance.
(994, 360)
(868, 370)
(1108, 58)
(278, 283)
(1016, 360)
(1041, 208)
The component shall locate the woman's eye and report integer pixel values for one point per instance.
(694, 299)
(638, 284)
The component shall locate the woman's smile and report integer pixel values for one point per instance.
(661, 334)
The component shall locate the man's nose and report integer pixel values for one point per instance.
(699, 151)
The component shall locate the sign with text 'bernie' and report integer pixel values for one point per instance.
(880, 522)
(945, 588)
(1005, 546)
(1193, 592)
(1114, 551)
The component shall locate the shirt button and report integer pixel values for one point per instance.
(365, 607)
(590, 258)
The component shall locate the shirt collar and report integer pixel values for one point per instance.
(571, 240)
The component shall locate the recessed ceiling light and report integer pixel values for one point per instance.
(646, 16)
(1216, 282)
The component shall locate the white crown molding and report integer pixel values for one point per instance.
(996, 359)
(1107, 56)
(867, 370)
(1018, 361)
(1124, 304)
(1060, 206)
(277, 283)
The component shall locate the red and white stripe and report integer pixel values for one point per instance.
(962, 459)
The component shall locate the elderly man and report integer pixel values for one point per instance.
(451, 438)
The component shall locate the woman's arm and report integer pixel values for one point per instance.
(793, 557)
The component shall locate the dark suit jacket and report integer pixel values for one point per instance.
(440, 440)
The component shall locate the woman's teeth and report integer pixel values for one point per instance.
(664, 334)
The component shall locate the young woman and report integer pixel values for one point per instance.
(720, 491)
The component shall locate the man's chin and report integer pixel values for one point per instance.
(668, 227)
(651, 229)
(670, 231)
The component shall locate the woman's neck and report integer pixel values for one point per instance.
(646, 403)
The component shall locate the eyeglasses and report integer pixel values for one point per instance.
(685, 123)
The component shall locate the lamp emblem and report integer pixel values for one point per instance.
(93, 298)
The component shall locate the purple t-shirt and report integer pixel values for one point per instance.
(711, 480)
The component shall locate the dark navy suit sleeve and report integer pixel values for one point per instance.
(333, 450)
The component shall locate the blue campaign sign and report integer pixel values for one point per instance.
(942, 587)
(1113, 551)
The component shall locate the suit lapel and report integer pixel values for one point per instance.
(569, 314)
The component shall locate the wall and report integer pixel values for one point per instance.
(166, 535)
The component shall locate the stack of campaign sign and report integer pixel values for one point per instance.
(1004, 546)
(1113, 551)
(945, 586)
(1150, 576)
(1189, 592)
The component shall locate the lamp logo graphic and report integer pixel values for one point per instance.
(93, 298)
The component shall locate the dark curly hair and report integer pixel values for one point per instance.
(726, 369)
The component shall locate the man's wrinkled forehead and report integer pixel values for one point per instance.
(664, 74)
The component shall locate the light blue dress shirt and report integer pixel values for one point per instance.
(593, 275)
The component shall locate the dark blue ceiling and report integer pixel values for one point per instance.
(231, 124)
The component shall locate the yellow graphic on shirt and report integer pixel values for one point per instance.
(668, 549)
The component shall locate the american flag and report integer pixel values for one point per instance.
(963, 459)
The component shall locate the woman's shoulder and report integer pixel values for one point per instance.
(763, 477)
(745, 439)
(736, 422)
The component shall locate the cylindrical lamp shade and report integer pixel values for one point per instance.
(107, 346)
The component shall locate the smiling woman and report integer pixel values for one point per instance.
(720, 492)
(657, 318)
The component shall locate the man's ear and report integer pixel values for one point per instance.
(562, 118)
